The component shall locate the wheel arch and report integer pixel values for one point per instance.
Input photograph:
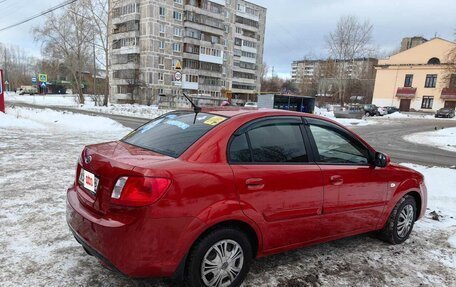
(419, 203)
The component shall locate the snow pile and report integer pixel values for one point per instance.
(67, 100)
(399, 115)
(8, 121)
(444, 139)
(345, 122)
(50, 119)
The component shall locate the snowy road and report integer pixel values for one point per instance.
(37, 164)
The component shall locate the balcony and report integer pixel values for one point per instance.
(126, 18)
(407, 93)
(211, 59)
(448, 94)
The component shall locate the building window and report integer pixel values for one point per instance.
(177, 32)
(434, 61)
(177, 16)
(427, 102)
(408, 81)
(161, 61)
(162, 45)
(431, 81)
(176, 47)
(161, 77)
(162, 29)
(162, 11)
(453, 81)
(178, 1)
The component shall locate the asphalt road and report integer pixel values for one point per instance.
(386, 136)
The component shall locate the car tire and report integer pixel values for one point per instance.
(367, 114)
(400, 222)
(229, 239)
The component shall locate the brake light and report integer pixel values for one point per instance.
(139, 191)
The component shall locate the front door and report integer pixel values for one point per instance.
(405, 105)
(450, 105)
(279, 186)
(355, 192)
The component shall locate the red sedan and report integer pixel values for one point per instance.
(199, 196)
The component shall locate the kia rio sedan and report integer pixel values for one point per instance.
(199, 196)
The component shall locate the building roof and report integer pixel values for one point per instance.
(421, 54)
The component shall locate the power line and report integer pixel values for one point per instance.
(61, 5)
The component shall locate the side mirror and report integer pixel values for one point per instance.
(382, 160)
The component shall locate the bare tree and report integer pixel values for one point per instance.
(19, 66)
(67, 36)
(350, 40)
(99, 16)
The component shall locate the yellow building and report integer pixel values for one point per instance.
(417, 79)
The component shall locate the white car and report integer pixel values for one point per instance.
(251, 105)
(382, 111)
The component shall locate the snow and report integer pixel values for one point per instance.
(69, 101)
(345, 122)
(37, 248)
(27, 118)
(444, 139)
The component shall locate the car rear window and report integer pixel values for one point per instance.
(172, 134)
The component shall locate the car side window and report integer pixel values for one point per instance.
(278, 143)
(335, 148)
(239, 150)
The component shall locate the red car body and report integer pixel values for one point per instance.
(281, 207)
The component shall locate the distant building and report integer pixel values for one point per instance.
(361, 68)
(417, 79)
(217, 47)
(411, 42)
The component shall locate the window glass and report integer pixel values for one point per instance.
(278, 143)
(239, 150)
(174, 133)
(335, 148)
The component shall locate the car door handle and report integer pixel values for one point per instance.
(337, 180)
(254, 183)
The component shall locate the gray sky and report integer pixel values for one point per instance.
(295, 29)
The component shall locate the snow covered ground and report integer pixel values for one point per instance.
(139, 111)
(38, 155)
(443, 139)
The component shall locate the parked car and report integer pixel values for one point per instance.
(251, 105)
(349, 112)
(199, 196)
(30, 90)
(371, 110)
(391, 110)
(382, 111)
(445, 113)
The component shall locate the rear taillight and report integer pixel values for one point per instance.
(139, 191)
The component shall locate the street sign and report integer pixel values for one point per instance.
(178, 65)
(43, 78)
(34, 81)
(178, 76)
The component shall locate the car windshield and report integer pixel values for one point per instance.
(172, 134)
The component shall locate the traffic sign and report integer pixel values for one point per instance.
(178, 76)
(178, 65)
(43, 78)
(34, 81)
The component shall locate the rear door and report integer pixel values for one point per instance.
(354, 191)
(279, 186)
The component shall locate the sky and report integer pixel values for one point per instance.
(295, 29)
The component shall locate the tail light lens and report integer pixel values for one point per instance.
(139, 191)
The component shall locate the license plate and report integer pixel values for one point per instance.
(89, 181)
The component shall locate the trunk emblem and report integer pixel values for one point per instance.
(88, 159)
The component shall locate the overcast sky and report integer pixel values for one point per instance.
(295, 28)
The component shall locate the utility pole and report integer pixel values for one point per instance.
(94, 70)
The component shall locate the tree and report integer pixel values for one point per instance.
(67, 36)
(99, 16)
(450, 73)
(349, 41)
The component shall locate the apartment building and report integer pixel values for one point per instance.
(361, 68)
(417, 78)
(210, 50)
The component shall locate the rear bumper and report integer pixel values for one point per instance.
(130, 243)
